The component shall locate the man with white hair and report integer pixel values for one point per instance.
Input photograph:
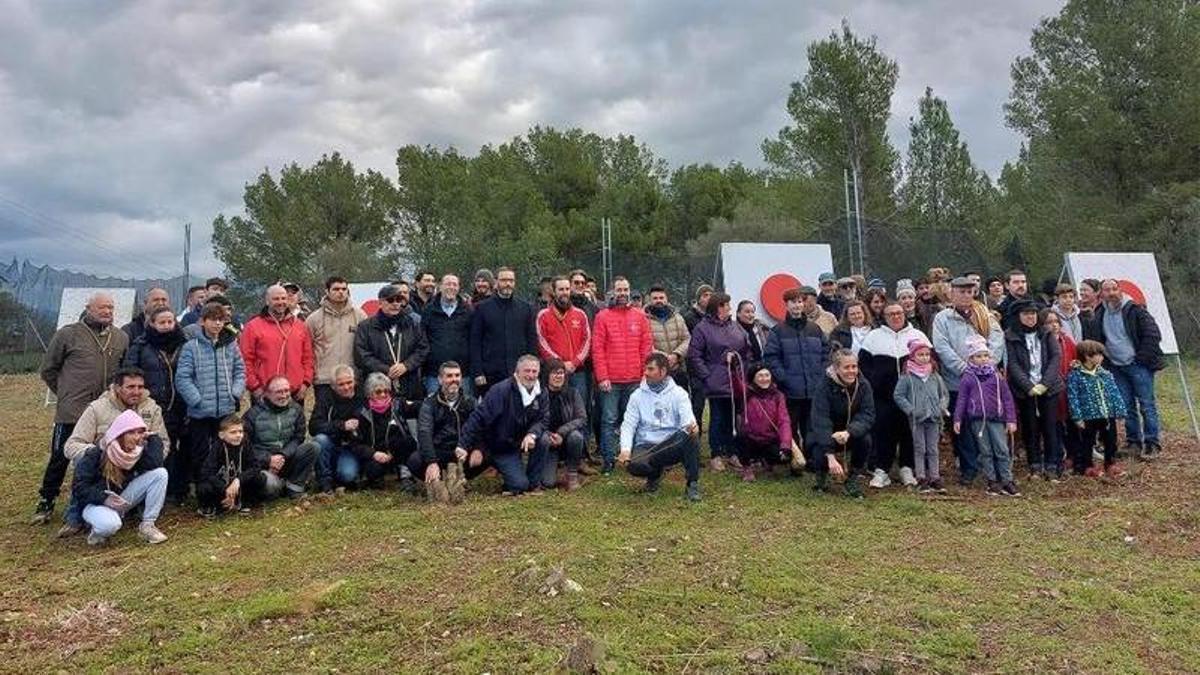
(276, 342)
(506, 424)
(79, 364)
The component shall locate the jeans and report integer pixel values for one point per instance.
(612, 404)
(649, 461)
(571, 452)
(925, 437)
(1039, 432)
(57, 464)
(1136, 383)
(994, 456)
(720, 427)
(518, 476)
(150, 487)
(966, 449)
(335, 464)
(431, 385)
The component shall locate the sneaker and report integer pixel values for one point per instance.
(716, 464)
(937, 486)
(693, 491)
(822, 484)
(607, 469)
(1114, 470)
(245, 510)
(94, 539)
(69, 530)
(907, 478)
(1010, 489)
(853, 488)
(747, 474)
(880, 479)
(1056, 476)
(207, 512)
(408, 485)
(993, 489)
(43, 512)
(151, 534)
(1152, 452)
(1035, 471)
(734, 463)
(652, 485)
(924, 488)
(573, 481)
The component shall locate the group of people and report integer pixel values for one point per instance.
(439, 386)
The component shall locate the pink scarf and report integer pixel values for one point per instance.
(119, 457)
(921, 371)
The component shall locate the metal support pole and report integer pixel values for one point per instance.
(862, 265)
(849, 226)
(1187, 396)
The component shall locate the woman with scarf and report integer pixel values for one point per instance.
(156, 352)
(881, 360)
(116, 475)
(756, 331)
(843, 413)
(853, 328)
(718, 353)
(1035, 377)
(764, 428)
(383, 440)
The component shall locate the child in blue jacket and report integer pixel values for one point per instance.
(1096, 405)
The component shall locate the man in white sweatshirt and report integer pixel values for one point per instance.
(659, 429)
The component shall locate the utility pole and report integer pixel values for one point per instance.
(862, 266)
(606, 260)
(849, 223)
(187, 264)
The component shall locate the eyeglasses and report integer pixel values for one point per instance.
(393, 299)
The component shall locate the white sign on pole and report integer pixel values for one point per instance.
(1138, 275)
(74, 300)
(762, 272)
(365, 295)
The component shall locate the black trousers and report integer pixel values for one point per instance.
(860, 451)
(417, 465)
(57, 464)
(1039, 431)
(892, 430)
(252, 485)
(183, 465)
(650, 461)
(749, 451)
(798, 412)
(1106, 431)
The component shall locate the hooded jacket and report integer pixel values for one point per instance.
(449, 336)
(653, 416)
(764, 417)
(440, 423)
(272, 347)
(377, 349)
(1093, 395)
(882, 357)
(565, 336)
(620, 343)
(950, 333)
(837, 407)
(79, 364)
(332, 332)
(797, 352)
(984, 398)
(502, 330)
(922, 399)
(501, 420)
(99, 416)
(1018, 362)
(157, 356)
(210, 376)
(1142, 330)
(670, 335)
(711, 341)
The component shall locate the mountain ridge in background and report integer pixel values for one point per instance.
(39, 287)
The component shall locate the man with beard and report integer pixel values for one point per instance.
(392, 344)
(276, 342)
(196, 297)
(446, 321)
(426, 286)
(156, 298)
(439, 424)
(829, 300)
(564, 333)
(670, 334)
(78, 365)
(1017, 287)
(1132, 341)
(620, 345)
(485, 284)
(502, 329)
(658, 430)
(332, 328)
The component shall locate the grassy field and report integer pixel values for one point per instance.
(1080, 577)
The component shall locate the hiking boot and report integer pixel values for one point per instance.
(880, 479)
(853, 488)
(408, 485)
(151, 534)
(652, 485)
(693, 491)
(993, 489)
(572, 481)
(733, 463)
(937, 486)
(43, 512)
(1114, 470)
(716, 464)
(907, 478)
(94, 539)
(295, 491)
(1009, 489)
(747, 474)
(822, 484)
(69, 530)
(1152, 452)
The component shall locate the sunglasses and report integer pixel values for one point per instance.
(394, 298)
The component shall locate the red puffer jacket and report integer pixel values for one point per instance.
(271, 347)
(620, 342)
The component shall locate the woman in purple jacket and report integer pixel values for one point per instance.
(718, 353)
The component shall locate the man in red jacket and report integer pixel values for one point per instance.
(620, 342)
(564, 334)
(277, 343)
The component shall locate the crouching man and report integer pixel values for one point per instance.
(275, 428)
(439, 425)
(659, 429)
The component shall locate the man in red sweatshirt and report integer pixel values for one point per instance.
(277, 343)
(620, 342)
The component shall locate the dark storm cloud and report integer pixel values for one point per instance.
(123, 121)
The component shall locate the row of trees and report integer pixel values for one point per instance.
(1108, 102)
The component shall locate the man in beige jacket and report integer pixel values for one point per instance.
(332, 328)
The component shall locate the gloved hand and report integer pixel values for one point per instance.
(1038, 389)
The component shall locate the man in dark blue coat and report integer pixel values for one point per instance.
(502, 329)
(507, 423)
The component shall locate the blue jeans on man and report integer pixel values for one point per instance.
(1136, 383)
(335, 464)
(517, 476)
(612, 410)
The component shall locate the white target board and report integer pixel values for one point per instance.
(365, 295)
(1137, 273)
(74, 300)
(762, 272)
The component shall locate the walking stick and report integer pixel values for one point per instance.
(742, 374)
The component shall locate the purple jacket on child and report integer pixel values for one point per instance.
(983, 395)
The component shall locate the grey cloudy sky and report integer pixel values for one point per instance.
(121, 121)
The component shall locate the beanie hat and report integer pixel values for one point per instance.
(977, 345)
(905, 286)
(702, 289)
(125, 422)
(916, 344)
(486, 274)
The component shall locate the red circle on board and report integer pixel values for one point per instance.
(370, 307)
(1131, 289)
(770, 294)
